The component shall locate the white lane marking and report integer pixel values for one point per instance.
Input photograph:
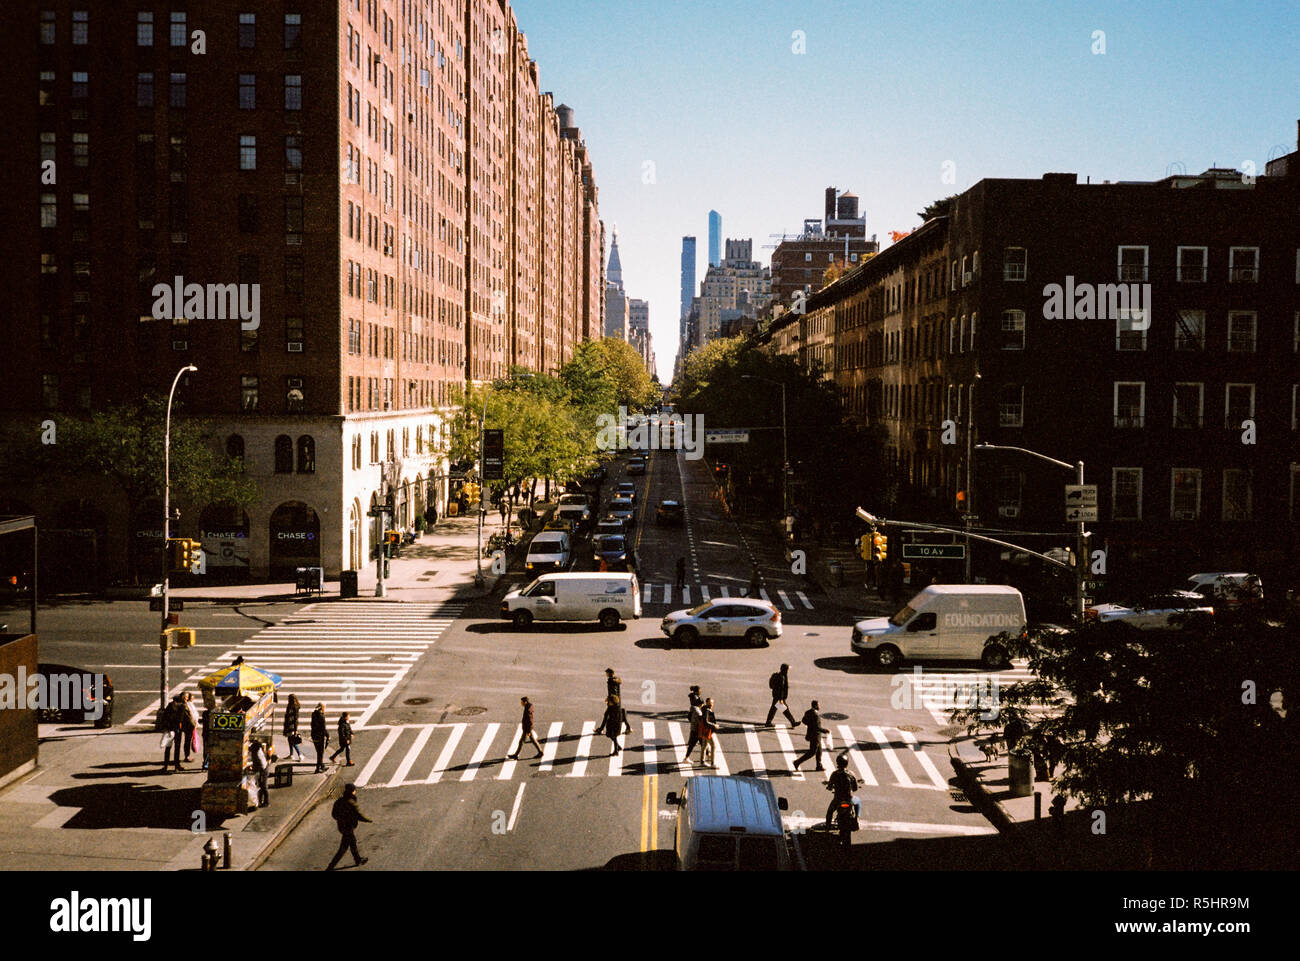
(514, 811)
(378, 756)
(704, 593)
(584, 749)
(924, 760)
(788, 752)
(648, 752)
(550, 746)
(480, 752)
(686, 595)
(900, 775)
(855, 755)
(756, 761)
(508, 766)
(379, 698)
(645, 594)
(679, 745)
(616, 760)
(404, 768)
(804, 597)
(726, 591)
(762, 592)
(785, 599)
(668, 593)
(898, 827)
(719, 761)
(57, 818)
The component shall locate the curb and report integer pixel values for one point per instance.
(979, 796)
(328, 786)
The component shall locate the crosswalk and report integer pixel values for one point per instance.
(412, 754)
(939, 692)
(691, 594)
(348, 656)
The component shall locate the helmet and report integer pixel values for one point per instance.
(842, 761)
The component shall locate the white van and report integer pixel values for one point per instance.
(945, 622)
(549, 551)
(1227, 589)
(608, 598)
(729, 824)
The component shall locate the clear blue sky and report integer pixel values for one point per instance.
(712, 94)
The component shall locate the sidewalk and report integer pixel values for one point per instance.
(98, 801)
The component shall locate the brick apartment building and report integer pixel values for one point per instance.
(414, 212)
(799, 262)
(959, 322)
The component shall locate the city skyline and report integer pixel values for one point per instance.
(664, 169)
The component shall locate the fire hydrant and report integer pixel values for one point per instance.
(210, 855)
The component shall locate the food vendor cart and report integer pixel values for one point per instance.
(240, 701)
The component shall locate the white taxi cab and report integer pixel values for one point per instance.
(755, 620)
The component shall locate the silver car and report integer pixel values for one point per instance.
(755, 620)
(1170, 611)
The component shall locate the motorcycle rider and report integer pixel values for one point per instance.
(842, 784)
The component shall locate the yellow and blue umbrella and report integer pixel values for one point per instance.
(240, 679)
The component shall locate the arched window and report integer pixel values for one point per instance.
(306, 454)
(284, 454)
(235, 447)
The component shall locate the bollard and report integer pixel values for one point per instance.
(225, 854)
(1038, 805)
(210, 855)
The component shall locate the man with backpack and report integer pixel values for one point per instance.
(171, 722)
(347, 812)
(779, 683)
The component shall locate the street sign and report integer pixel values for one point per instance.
(155, 604)
(376, 511)
(726, 437)
(949, 552)
(494, 454)
(1080, 495)
(1082, 513)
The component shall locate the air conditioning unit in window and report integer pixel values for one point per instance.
(1184, 515)
(1009, 510)
(294, 347)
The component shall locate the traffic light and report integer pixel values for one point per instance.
(471, 491)
(182, 553)
(390, 543)
(879, 545)
(864, 546)
(962, 505)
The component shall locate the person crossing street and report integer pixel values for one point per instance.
(813, 731)
(708, 726)
(320, 736)
(614, 723)
(613, 684)
(681, 573)
(693, 720)
(345, 740)
(779, 684)
(526, 730)
(347, 812)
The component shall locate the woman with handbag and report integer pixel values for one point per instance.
(291, 729)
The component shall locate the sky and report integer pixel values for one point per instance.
(754, 107)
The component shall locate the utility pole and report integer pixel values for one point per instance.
(970, 470)
(478, 550)
(1080, 554)
(383, 531)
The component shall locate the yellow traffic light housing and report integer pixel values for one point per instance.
(864, 546)
(878, 547)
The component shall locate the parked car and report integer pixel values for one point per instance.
(635, 466)
(613, 549)
(626, 489)
(70, 696)
(608, 598)
(565, 524)
(624, 509)
(549, 550)
(755, 620)
(1227, 589)
(579, 513)
(579, 498)
(1170, 611)
(669, 512)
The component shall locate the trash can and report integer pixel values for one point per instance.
(1020, 776)
(836, 570)
(347, 584)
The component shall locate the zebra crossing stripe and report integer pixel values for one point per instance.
(648, 752)
(762, 592)
(404, 768)
(480, 752)
(378, 756)
(891, 759)
(686, 595)
(860, 762)
(924, 760)
(645, 593)
(550, 745)
(755, 749)
(726, 591)
(787, 752)
(785, 600)
(440, 765)
(616, 757)
(668, 593)
(584, 749)
(679, 745)
(704, 593)
(804, 597)
(508, 766)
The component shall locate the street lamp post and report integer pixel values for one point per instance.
(785, 449)
(1081, 536)
(478, 550)
(167, 517)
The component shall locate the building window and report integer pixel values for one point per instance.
(292, 151)
(306, 454)
(50, 391)
(1130, 403)
(176, 91)
(248, 91)
(247, 152)
(1189, 405)
(80, 149)
(247, 31)
(292, 31)
(1015, 263)
(1013, 330)
(248, 340)
(49, 264)
(235, 448)
(247, 393)
(49, 210)
(293, 91)
(284, 454)
(1011, 406)
(1236, 495)
(1133, 263)
(177, 155)
(1185, 494)
(293, 401)
(1190, 332)
(46, 91)
(47, 27)
(293, 333)
(179, 34)
(144, 29)
(1238, 405)
(1241, 332)
(293, 219)
(80, 85)
(1126, 336)
(80, 28)
(1192, 263)
(1126, 496)
(248, 218)
(1243, 265)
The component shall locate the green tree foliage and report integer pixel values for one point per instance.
(937, 208)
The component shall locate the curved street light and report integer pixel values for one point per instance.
(167, 518)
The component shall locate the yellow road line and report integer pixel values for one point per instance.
(649, 813)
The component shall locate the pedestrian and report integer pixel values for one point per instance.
(189, 724)
(697, 709)
(813, 731)
(681, 573)
(613, 684)
(526, 729)
(345, 740)
(708, 725)
(172, 727)
(258, 761)
(237, 661)
(347, 812)
(779, 684)
(753, 582)
(319, 736)
(291, 728)
(604, 565)
(614, 722)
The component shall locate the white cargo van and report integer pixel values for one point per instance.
(945, 622)
(729, 824)
(549, 551)
(608, 598)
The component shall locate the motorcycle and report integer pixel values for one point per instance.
(846, 818)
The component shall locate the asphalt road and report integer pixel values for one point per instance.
(431, 760)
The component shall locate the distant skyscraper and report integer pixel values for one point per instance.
(715, 238)
(688, 276)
